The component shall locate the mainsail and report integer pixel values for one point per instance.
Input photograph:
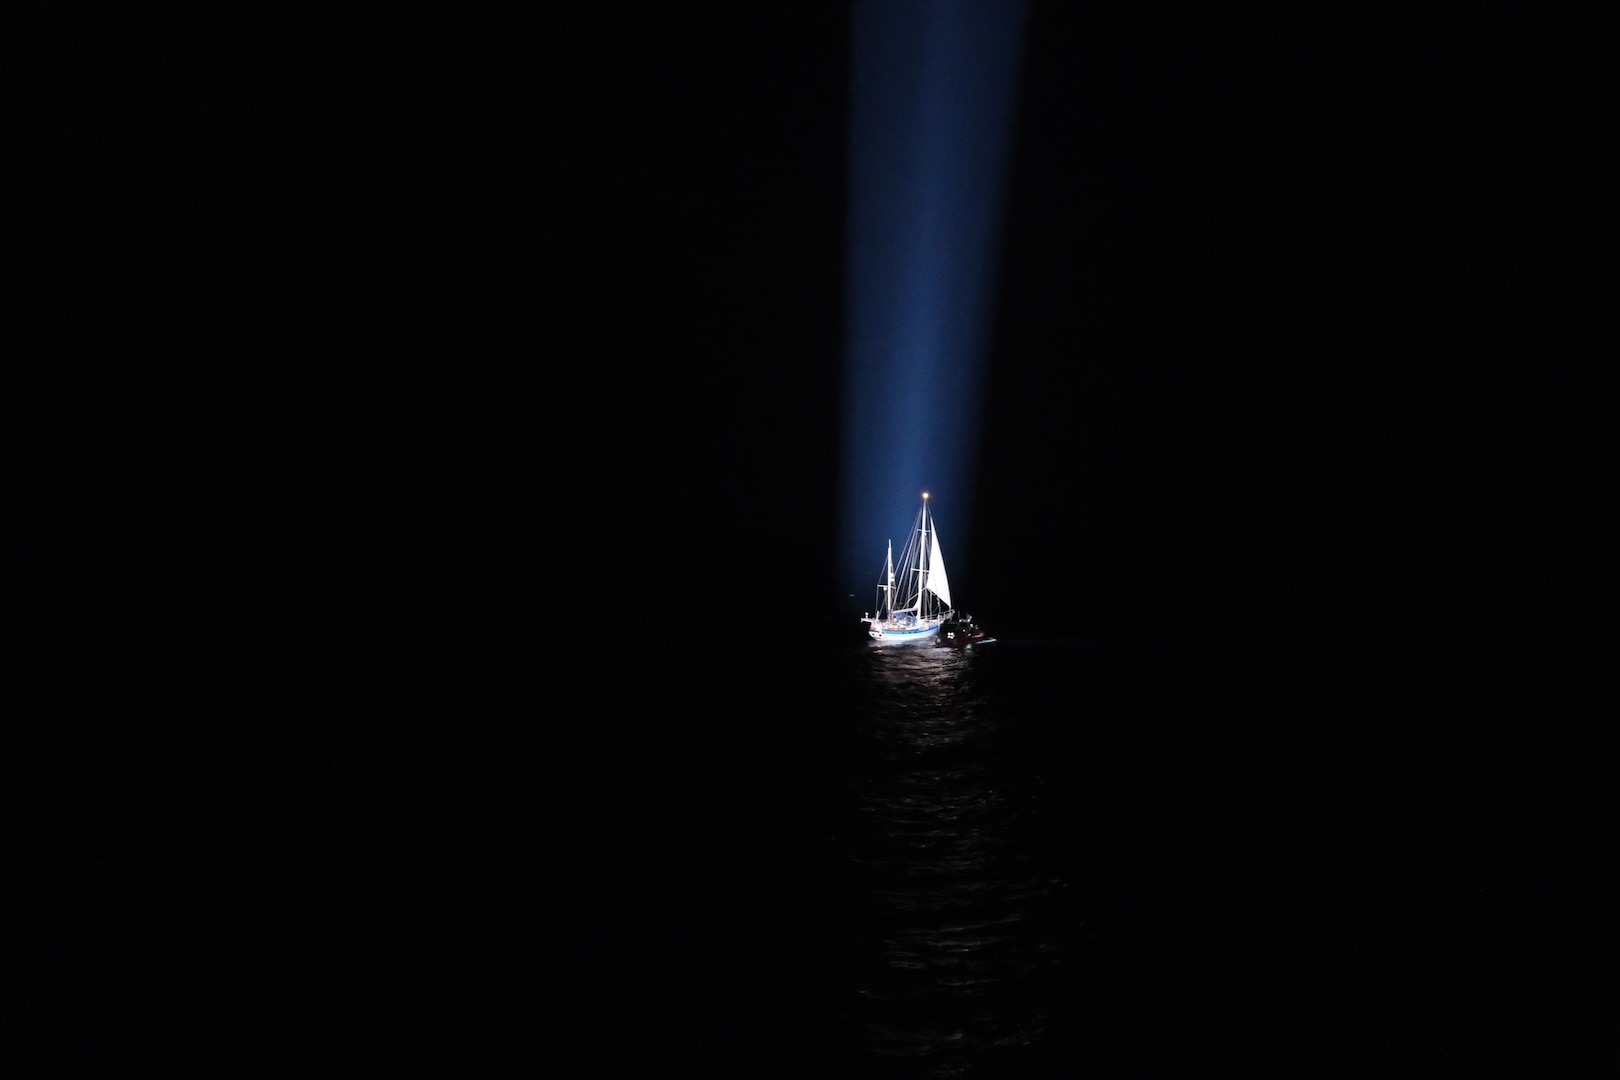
(937, 582)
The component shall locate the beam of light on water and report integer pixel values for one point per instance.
(932, 101)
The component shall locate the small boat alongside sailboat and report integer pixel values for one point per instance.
(962, 633)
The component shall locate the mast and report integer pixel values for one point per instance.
(922, 564)
(888, 589)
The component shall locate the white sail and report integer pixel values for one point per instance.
(937, 582)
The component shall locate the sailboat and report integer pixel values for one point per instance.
(913, 599)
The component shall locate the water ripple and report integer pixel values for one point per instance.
(954, 908)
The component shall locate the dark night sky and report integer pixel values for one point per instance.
(406, 290)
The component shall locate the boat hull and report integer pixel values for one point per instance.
(911, 635)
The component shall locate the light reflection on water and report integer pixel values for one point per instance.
(956, 941)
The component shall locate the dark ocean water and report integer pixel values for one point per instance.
(465, 856)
